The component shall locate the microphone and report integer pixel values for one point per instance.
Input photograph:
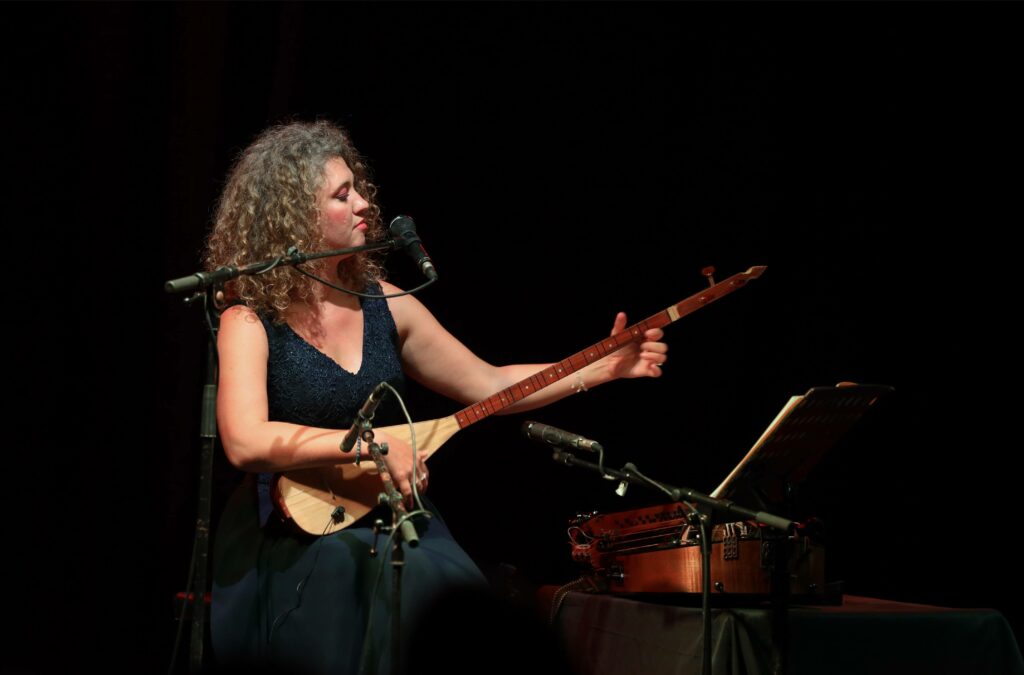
(403, 230)
(535, 431)
(365, 413)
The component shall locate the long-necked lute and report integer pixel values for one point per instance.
(311, 497)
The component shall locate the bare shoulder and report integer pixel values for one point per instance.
(240, 325)
(240, 317)
(239, 313)
(417, 325)
(405, 309)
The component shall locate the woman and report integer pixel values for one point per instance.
(297, 359)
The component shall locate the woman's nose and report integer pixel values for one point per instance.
(360, 203)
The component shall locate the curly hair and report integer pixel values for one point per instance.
(269, 204)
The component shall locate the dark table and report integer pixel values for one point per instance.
(611, 635)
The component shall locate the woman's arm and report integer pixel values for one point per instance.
(435, 358)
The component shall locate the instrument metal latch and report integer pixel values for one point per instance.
(730, 543)
(767, 554)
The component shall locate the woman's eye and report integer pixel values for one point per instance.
(342, 197)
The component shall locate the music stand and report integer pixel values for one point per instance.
(804, 430)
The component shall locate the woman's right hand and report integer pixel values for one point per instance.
(398, 461)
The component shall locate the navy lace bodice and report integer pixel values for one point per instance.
(305, 386)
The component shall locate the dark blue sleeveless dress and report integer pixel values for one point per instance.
(297, 604)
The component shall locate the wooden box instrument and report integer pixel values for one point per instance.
(656, 550)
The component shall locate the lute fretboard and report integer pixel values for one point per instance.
(629, 335)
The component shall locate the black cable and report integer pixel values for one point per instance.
(184, 611)
(370, 296)
(559, 598)
(300, 587)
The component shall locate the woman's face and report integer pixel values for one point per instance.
(341, 207)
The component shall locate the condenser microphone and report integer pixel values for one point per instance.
(536, 431)
(403, 232)
(365, 413)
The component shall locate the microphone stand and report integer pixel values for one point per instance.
(401, 529)
(194, 600)
(206, 287)
(203, 280)
(631, 475)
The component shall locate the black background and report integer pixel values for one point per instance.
(563, 162)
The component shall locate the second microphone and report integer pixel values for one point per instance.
(535, 431)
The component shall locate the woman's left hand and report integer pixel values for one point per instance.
(637, 360)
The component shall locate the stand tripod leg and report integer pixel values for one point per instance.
(780, 605)
(201, 549)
